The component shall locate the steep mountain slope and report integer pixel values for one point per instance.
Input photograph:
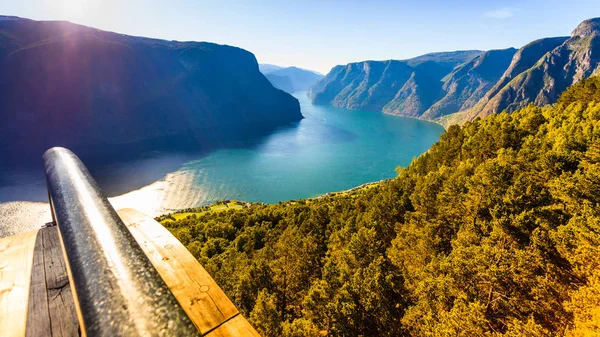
(473, 86)
(301, 79)
(524, 58)
(69, 85)
(469, 82)
(405, 88)
(558, 67)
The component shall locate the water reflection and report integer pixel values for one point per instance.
(331, 149)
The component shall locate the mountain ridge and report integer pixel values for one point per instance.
(402, 87)
(535, 73)
(290, 79)
(69, 85)
(576, 58)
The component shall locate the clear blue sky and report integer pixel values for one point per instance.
(321, 34)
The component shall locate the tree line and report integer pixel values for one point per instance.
(495, 231)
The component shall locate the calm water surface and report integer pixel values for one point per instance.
(331, 149)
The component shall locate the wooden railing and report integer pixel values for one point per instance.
(117, 290)
(99, 272)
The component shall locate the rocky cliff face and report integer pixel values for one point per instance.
(69, 85)
(469, 82)
(405, 88)
(550, 67)
(475, 84)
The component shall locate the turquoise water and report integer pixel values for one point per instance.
(331, 149)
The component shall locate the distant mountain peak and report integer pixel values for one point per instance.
(590, 27)
(267, 68)
(290, 79)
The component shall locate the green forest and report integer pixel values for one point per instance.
(495, 231)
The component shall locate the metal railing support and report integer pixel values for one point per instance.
(117, 290)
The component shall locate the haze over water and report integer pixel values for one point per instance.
(331, 149)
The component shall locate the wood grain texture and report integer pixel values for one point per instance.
(63, 315)
(16, 259)
(51, 305)
(199, 295)
(36, 298)
(38, 315)
(236, 326)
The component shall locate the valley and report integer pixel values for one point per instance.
(406, 192)
(331, 149)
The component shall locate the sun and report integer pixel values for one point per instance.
(77, 9)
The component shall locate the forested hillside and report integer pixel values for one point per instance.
(493, 232)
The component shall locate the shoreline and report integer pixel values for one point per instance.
(245, 204)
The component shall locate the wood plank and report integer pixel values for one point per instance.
(237, 326)
(38, 314)
(16, 259)
(63, 315)
(199, 295)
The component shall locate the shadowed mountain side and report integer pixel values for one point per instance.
(74, 86)
(281, 82)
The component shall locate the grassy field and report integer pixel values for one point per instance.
(221, 206)
(352, 190)
(216, 207)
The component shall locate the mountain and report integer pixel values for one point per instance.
(408, 87)
(300, 79)
(281, 82)
(267, 68)
(80, 87)
(543, 69)
(526, 57)
(468, 84)
(495, 231)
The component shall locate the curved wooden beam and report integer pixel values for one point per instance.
(202, 299)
